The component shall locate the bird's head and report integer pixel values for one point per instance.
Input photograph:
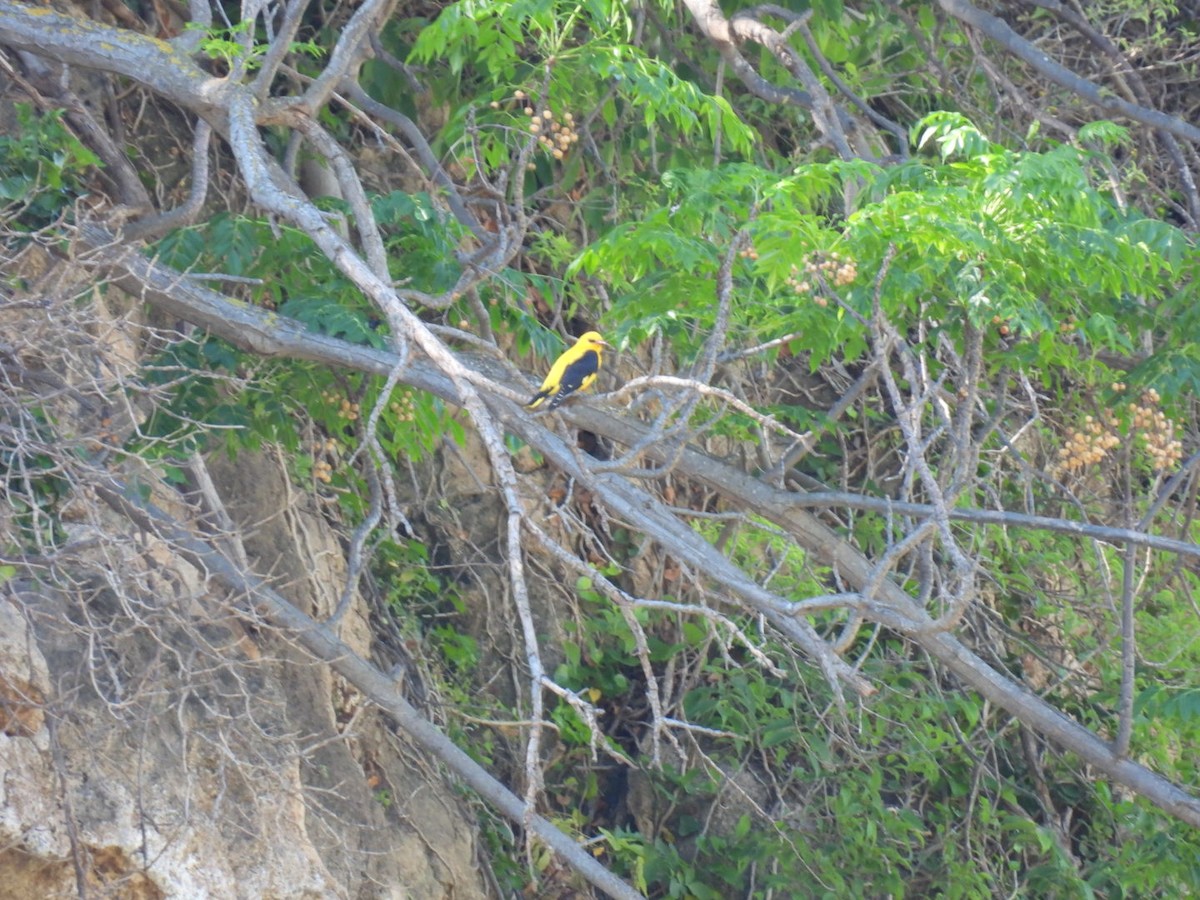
(592, 339)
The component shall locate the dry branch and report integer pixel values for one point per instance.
(1002, 33)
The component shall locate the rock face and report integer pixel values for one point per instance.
(156, 739)
(162, 746)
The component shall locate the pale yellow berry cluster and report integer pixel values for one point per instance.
(557, 137)
(348, 409)
(748, 253)
(322, 469)
(840, 270)
(1156, 431)
(554, 135)
(1088, 445)
(402, 408)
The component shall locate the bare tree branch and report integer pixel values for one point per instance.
(716, 28)
(349, 51)
(1002, 33)
(423, 151)
(281, 45)
(145, 59)
(150, 227)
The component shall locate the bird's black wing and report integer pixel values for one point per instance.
(575, 375)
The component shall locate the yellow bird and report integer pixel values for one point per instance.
(574, 371)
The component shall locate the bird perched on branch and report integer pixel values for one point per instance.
(574, 371)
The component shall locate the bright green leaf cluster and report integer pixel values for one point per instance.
(43, 169)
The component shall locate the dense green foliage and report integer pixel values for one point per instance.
(934, 793)
(43, 170)
(1025, 245)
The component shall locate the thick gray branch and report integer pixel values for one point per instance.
(717, 29)
(349, 51)
(144, 59)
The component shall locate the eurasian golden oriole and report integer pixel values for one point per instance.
(574, 371)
